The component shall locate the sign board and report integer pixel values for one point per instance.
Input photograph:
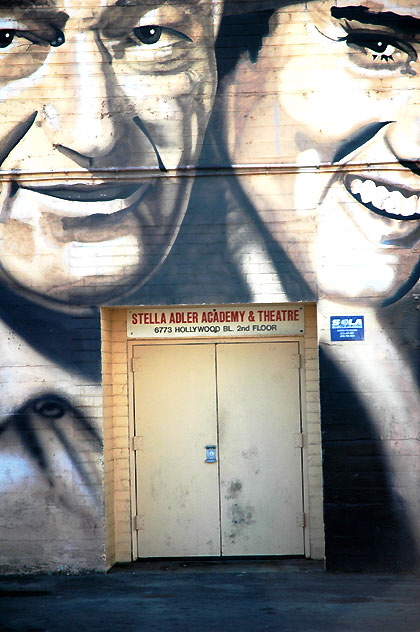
(211, 321)
(347, 327)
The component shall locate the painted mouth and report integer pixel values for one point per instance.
(86, 192)
(74, 200)
(383, 199)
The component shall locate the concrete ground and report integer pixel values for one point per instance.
(228, 596)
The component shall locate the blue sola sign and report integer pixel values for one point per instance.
(347, 327)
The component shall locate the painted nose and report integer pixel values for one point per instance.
(403, 136)
(80, 113)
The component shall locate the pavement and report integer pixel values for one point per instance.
(204, 596)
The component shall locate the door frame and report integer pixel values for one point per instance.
(214, 340)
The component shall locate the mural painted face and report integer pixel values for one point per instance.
(88, 89)
(339, 84)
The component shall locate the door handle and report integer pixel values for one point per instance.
(210, 454)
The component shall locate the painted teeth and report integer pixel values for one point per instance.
(392, 202)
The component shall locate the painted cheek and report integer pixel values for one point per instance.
(342, 243)
(257, 137)
(329, 104)
(181, 110)
(159, 97)
(401, 107)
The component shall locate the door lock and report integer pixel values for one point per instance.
(210, 454)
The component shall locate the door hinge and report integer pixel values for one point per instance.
(298, 363)
(139, 523)
(298, 439)
(138, 443)
(135, 364)
(301, 519)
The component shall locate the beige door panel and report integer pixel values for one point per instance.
(175, 412)
(260, 465)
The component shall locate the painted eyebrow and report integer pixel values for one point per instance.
(400, 23)
(155, 4)
(27, 4)
(44, 10)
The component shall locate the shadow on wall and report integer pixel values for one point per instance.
(57, 336)
(366, 526)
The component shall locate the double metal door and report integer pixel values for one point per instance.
(218, 464)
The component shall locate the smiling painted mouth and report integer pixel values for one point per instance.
(383, 199)
(63, 199)
(86, 192)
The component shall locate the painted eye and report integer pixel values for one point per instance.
(49, 408)
(381, 45)
(6, 37)
(58, 40)
(389, 50)
(148, 34)
(377, 45)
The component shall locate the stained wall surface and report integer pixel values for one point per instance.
(205, 152)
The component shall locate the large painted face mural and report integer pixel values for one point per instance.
(149, 158)
(100, 104)
(333, 98)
